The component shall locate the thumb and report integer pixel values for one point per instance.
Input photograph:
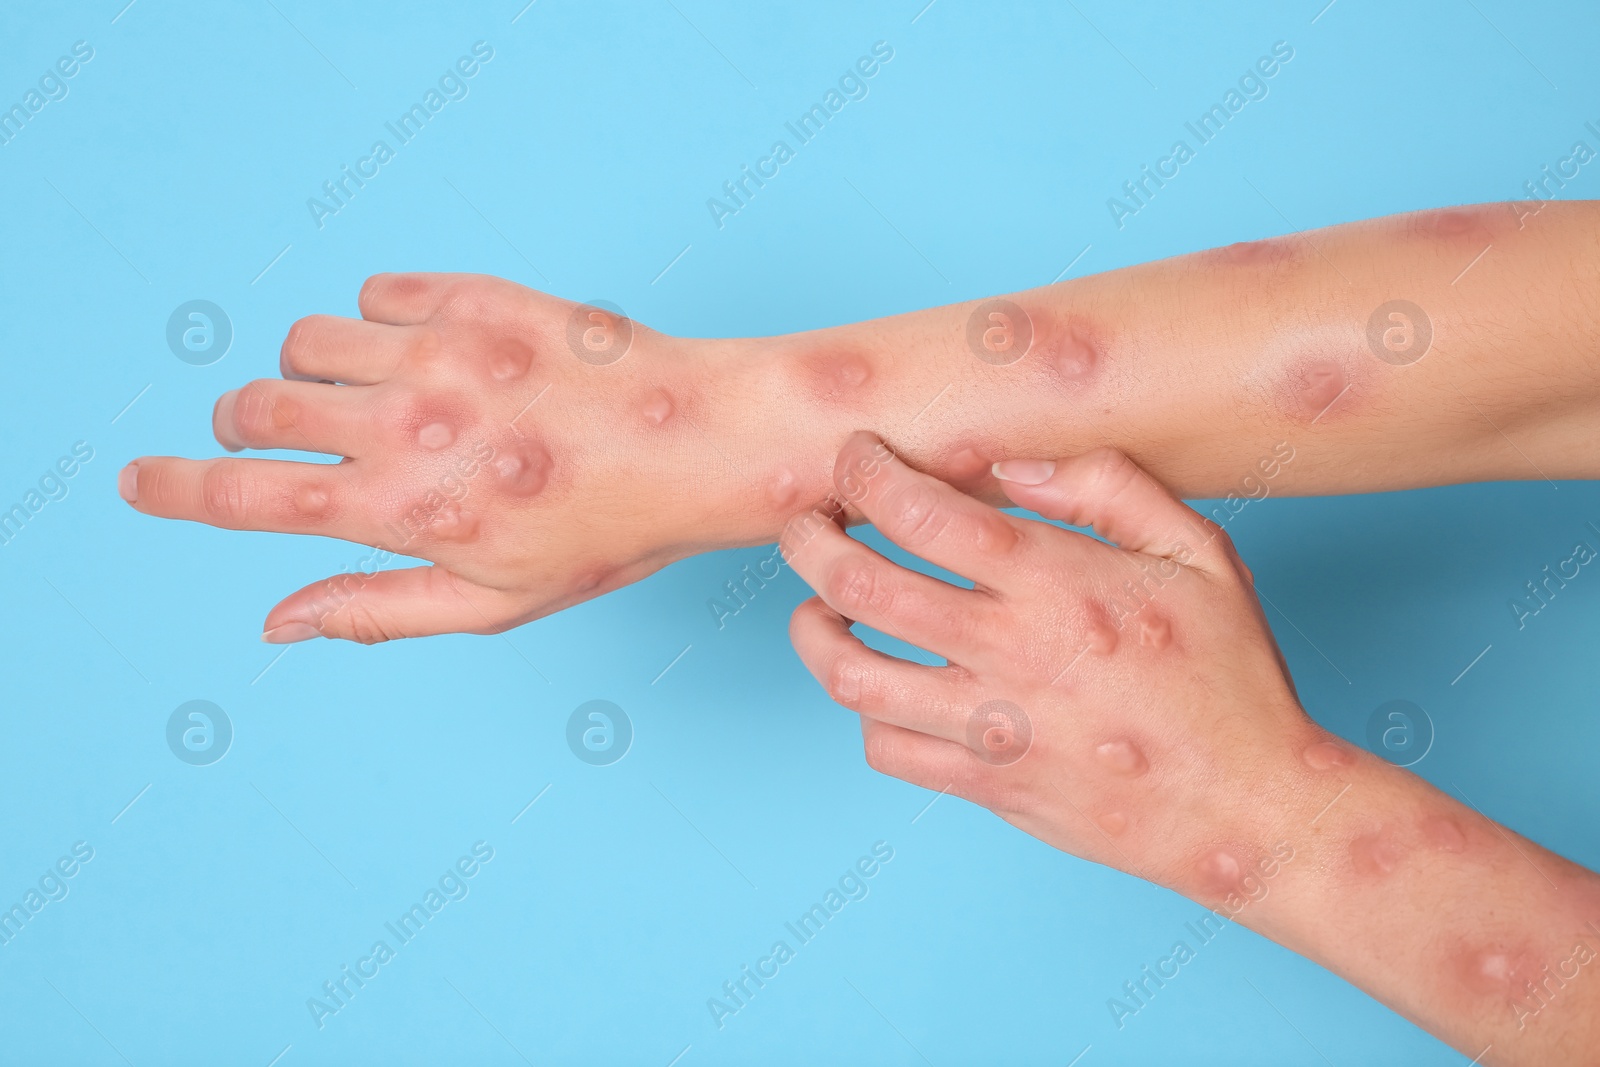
(1107, 491)
(384, 605)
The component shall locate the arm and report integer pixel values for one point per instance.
(1198, 367)
(543, 452)
(1128, 705)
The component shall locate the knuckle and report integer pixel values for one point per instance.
(425, 343)
(224, 495)
(882, 751)
(365, 626)
(372, 288)
(1110, 472)
(253, 412)
(297, 342)
(849, 681)
(469, 299)
(855, 585)
(917, 514)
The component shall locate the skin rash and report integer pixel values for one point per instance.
(475, 434)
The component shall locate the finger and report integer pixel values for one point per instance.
(859, 584)
(301, 415)
(867, 681)
(924, 515)
(327, 348)
(1106, 490)
(937, 764)
(385, 605)
(250, 494)
(403, 299)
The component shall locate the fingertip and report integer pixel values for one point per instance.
(222, 424)
(862, 450)
(128, 482)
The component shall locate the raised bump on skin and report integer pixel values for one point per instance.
(1113, 822)
(1071, 351)
(1375, 855)
(522, 469)
(782, 489)
(591, 580)
(1102, 637)
(1444, 833)
(509, 361)
(1317, 387)
(450, 523)
(311, 501)
(436, 435)
(965, 464)
(1453, 222)
(1155, 632)
(1497, 970)
(658, 407)
(832, 376)
(1250, 253)
(1122, 757)
(1327, 756)
(1219, 872)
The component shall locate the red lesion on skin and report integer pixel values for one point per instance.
(1317, 386)
(1123, 757)
(1497, 970)
(508, 359)
(1474, 224)
(406, 286)
(834, 374)
(1328, 756)
(1219, 872)
(781, 489)
(1113, 822)
(591, 579)
(313, 501)
(1070, 348)
(1154, 630)
(1100, 631)
(1444, 833)
(408, 418)
(452, 523)
(657, 407)
(967, 463)
(522, 467)
(1265, 252)
(1375, 854)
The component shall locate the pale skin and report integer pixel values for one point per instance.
(538, 454)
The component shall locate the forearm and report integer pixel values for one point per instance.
(1473, 932)
(1206, 366)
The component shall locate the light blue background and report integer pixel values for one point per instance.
(614, 907)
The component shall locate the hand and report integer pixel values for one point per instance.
(1124, 702)
(529, 447)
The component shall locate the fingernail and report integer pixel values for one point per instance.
(222, 422)
(1024, 471)
(128, 483)
(290, 632)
